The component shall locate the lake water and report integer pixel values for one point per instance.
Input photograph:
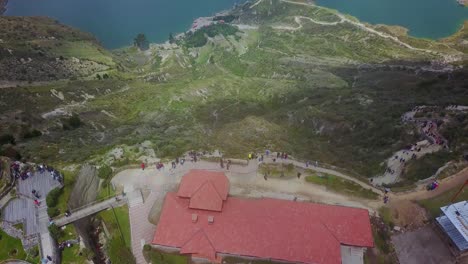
(116, 22)
(424, 18)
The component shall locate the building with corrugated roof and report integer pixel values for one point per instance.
(454, 225)
(202, 221)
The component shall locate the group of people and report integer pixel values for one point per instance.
(174, 163)
(282, 155)
(221, 163)
(19, 171)
(432, 186)
(429, 128)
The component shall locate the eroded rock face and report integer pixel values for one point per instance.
(86, 187)
(5, 179)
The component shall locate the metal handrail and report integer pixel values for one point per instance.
(89, 205)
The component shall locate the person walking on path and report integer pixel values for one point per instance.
(221, 163)
(143, 166)
(228, 164)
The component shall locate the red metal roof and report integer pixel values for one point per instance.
(206, 198)
(265, 228)
(195, 179)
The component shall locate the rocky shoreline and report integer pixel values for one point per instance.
(463, 2)
(3, 4)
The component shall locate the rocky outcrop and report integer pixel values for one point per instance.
(3, 4)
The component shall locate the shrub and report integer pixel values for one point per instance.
(33, 252)
(55, 232)
(7, 139)
(105, 172)
(32, 134)
(11, 153)
(199, 39)
(53, 196)
(72, 122)
(146, 247)
(53, 211)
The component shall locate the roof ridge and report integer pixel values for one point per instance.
(209, 241)
(329, 231)
(204, 234)
(199, 187)
(191, 237)
(216, 189)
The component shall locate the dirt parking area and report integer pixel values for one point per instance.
(421, 246)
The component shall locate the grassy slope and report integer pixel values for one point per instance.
(300, 92)
(72, 255)
(433, 205)
(118, 224)
(160, 257)
(9, 244)
(30, 36)
(339, 185)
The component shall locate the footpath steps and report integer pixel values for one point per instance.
(142, 230)
(135, 198)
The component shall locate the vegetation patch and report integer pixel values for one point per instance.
(235, 260)
(11, 247)
(278, 170)
(72, 122)
(74, 254)
(340, 185)
(117, 222)
(386, 215)
(119, 253)
(426, 166)
(53, 197)
(433, 205)
(158, 256)
(199, 37)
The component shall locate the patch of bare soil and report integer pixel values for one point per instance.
(408, 214)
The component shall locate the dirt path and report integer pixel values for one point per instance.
(297, 19)
(396, 165)
(420, 193)
(247, 181)
(447, 58)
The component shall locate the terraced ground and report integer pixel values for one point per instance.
(285, 76)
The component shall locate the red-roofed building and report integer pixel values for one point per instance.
(201, 220)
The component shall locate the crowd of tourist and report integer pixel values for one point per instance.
(25, 171)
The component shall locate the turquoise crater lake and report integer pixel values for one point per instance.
(432, 19)
(116, 22)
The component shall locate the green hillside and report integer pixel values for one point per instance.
(302, 79)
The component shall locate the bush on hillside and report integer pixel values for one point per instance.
(55, 232)
(7, 139)
(72, 122)
(10, 152)
(105, 172)
(53, 211)
(53, 197)
(198, 39)
(32, 134)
